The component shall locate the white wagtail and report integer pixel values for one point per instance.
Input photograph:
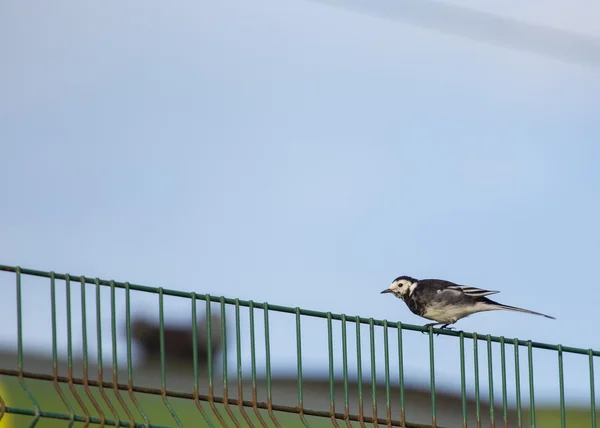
(445, 302)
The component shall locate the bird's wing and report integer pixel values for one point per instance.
(441, 285)
(471, 291)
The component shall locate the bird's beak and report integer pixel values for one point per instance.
(387, 290)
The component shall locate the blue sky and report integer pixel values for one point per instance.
(303, 155)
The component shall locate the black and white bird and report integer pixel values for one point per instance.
(446, 302)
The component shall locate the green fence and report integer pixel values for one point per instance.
(74, 365)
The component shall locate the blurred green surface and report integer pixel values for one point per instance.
(158, 415)
(152, 406)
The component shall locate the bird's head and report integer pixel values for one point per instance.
(400, 286)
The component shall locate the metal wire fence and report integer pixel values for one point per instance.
(95, 377)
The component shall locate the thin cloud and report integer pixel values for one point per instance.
(483, 27)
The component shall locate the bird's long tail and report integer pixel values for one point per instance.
(527, 311)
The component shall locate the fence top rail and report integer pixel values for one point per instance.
(298, 311)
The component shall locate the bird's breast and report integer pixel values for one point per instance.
(414, 305)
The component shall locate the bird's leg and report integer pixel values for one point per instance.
(444, 326)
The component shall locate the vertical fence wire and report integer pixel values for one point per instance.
(331, 373)
(268, 366)
(86, 414)
(84, 339)
(592, 389)
(345, 372)
(491, 381)
(432, 379)
(476, 374)
(531, 389)
(253, 365)
(129, 356)
(209, 363)
(224, 364)
(299, 368)
(504, 392)
(99, 344)
(22, 382)
(238, 347)
(518, 385)
(386, 373)
(463, 384)
(115, 354)
(163, 371)
(201, 410)
(57, 387)
(373, 371)
(401, 376)
(561, 387)
(359, 373)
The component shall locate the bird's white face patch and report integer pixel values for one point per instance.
(411, 288)
(402, 286)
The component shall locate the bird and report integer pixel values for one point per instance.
(446, 302)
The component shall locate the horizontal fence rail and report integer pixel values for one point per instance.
(221, 366)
